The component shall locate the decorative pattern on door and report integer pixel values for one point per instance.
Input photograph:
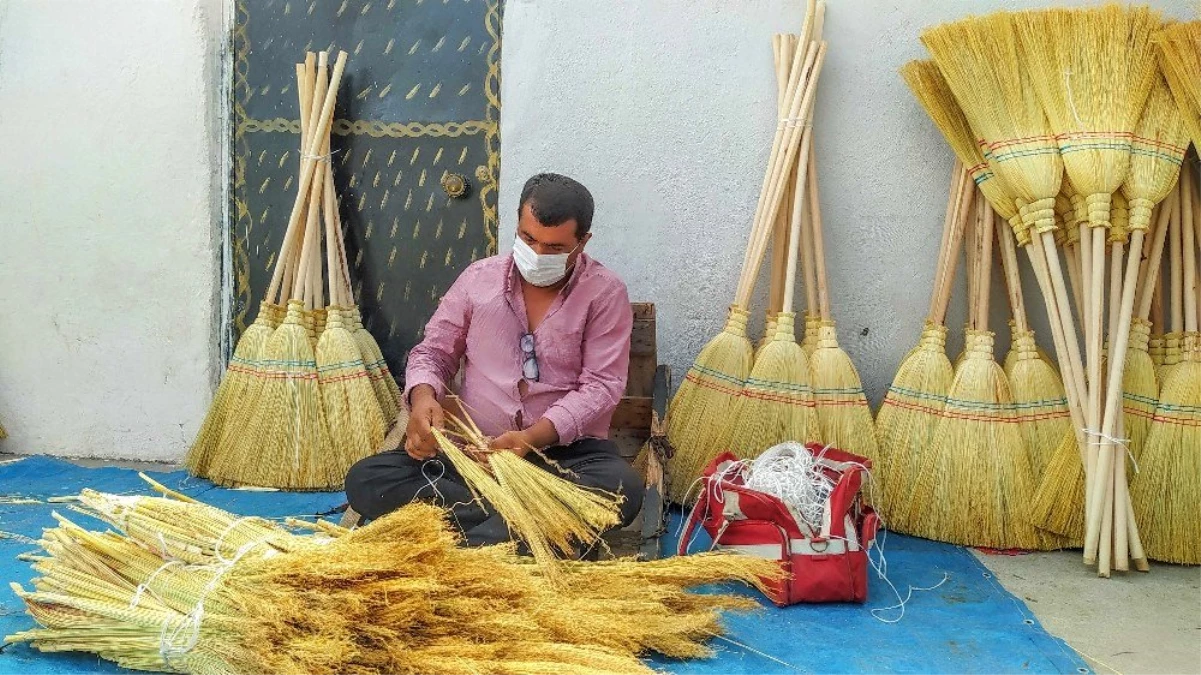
(416, 147)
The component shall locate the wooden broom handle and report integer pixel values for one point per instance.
(322, 126)
(801, 62)
(963, 204)
(819, 246)
(794, 231)
(783, 47)
(303, 286)
(948, 221)
(1149, 276)
(1013, 282)
(985, 221)
(284, 269)
(801, 109)
(1189, 249)
(1177, 284)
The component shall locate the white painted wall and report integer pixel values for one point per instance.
(666, 111)
(110, 204)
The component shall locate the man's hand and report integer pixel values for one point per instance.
(516, 442)
(424, 418)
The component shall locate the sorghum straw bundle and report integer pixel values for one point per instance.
(397, 596)
(701, 410)
(551, 515)
(1179, 49)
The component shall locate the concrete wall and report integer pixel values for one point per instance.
(111, 125)
(666, 110)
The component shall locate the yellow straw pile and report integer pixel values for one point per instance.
(216, 593)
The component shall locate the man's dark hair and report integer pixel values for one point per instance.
(555, 199)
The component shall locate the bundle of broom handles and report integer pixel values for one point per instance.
(791, 141)
(299, 260)
(1111, 534)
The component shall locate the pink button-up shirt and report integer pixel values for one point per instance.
(582, 347)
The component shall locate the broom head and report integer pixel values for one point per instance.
(1140, 389)
(776, 403)
(702, 409)
(1038, 397)
(1092, 70)
(386, 390)
(907, 419)
(352, 412)
(1179, 49)
(842, 412)
(976, 477)
(1058, 503)
(240, 378)
(1157, 151)
(1167, 490)
(979, 58)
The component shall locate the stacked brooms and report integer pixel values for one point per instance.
(1064, 120)
(184, 587)
(746, 400)
(307, 392)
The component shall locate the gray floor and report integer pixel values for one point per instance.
(1130, 623)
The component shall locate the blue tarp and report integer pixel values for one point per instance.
(969, 624)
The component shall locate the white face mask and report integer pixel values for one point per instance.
(540, 270)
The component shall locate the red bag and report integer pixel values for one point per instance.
(828, 564)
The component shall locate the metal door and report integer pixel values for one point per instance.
(419, 103)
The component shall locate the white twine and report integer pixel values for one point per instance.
(320, 158)
(788, 471)
(431, 482)
(186, 635)
(144, 587)
(794, 122)
(1123, 443)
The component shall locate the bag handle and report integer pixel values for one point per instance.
(694, 521)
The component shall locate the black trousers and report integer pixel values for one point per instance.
(383, 483)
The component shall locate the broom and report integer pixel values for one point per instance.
(842, 409)
(783, 48)
(700, 411)
(1038, 394)
(1093, 83)
(1167, 491)
(1159, 146)
(1158, 151)
(352, 412)
(241, 375)
(976, 476)
(1179, 48)
(914, 400)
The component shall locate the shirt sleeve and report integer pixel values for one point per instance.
(435, 361)
(606, 366)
